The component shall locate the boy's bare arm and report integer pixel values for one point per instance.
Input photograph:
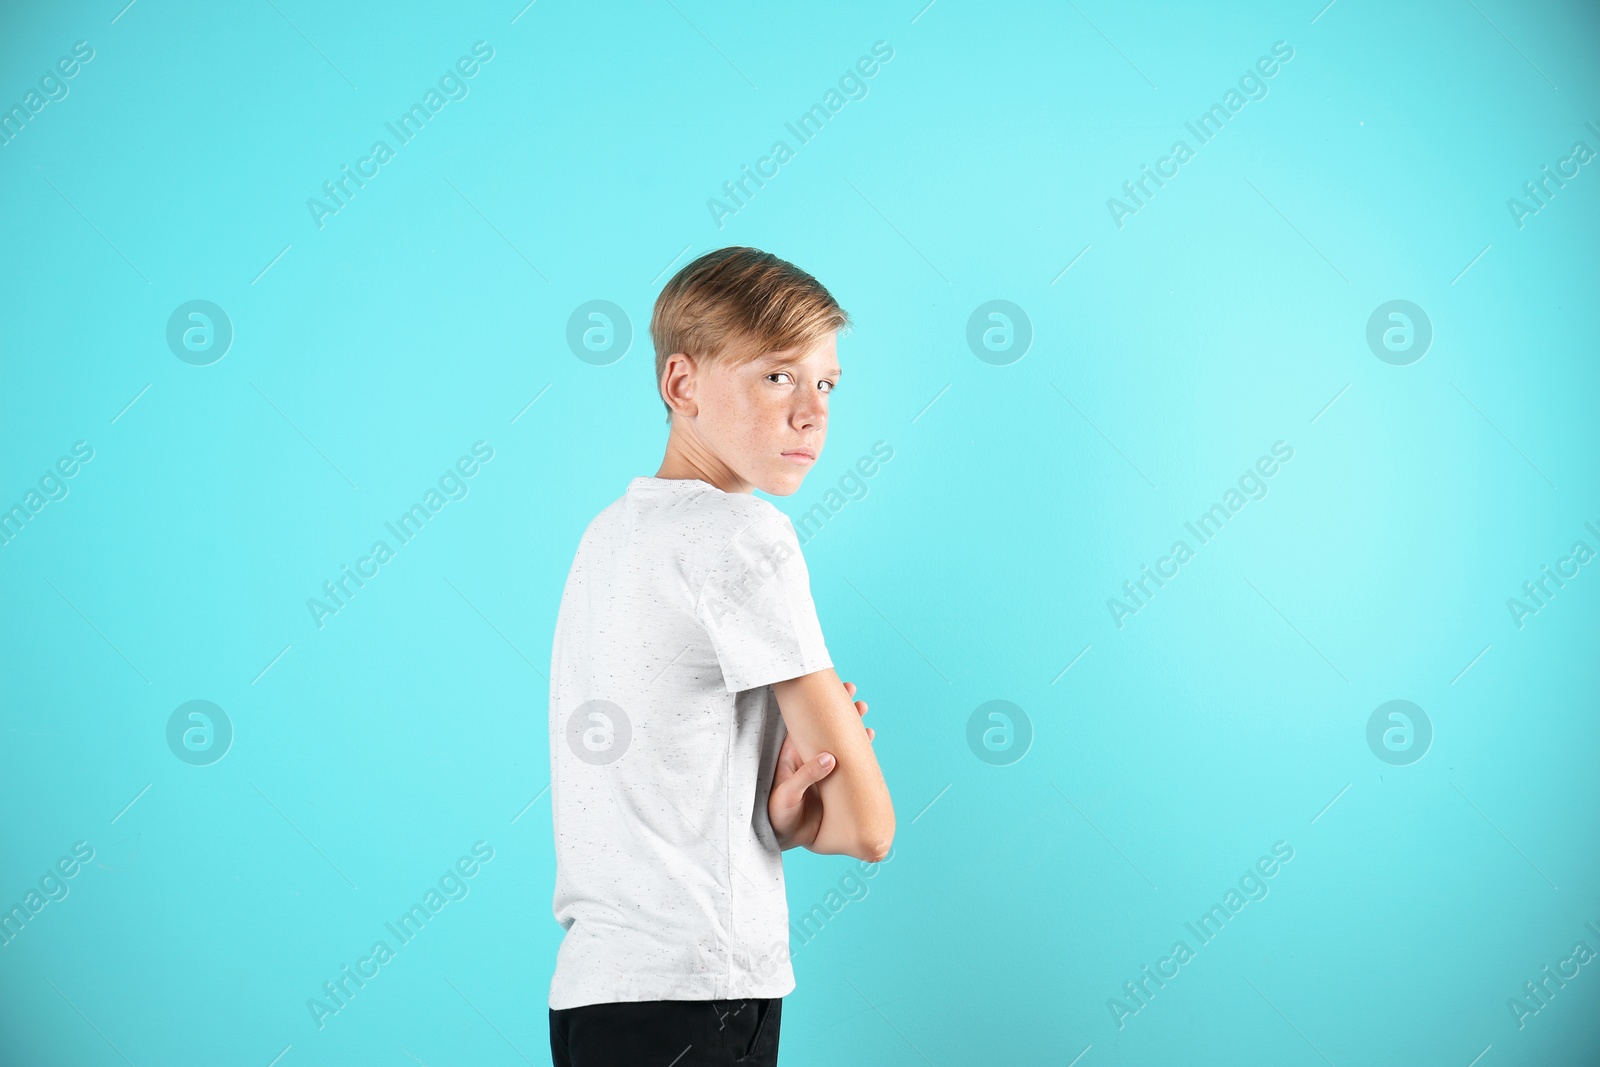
(857, 813)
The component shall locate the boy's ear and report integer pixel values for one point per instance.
(677, 384)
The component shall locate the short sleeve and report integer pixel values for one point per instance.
(757, 610)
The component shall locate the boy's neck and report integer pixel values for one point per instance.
(678, 464)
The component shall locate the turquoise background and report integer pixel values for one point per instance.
(1035, 872)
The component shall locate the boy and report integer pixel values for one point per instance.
(695, 714)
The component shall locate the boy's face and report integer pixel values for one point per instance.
(750, 423)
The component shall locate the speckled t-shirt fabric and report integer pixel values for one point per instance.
(684, 603)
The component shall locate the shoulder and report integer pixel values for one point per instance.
(724, 516)
(753, 521)
(738, 531)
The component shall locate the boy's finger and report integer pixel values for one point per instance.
(793, 788)
(817, 769)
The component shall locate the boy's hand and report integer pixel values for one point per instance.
(793, 807)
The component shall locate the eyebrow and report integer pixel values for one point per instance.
(794, 361)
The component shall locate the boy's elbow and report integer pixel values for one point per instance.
(875, 846)
(868, 843)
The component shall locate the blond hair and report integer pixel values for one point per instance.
(735, 304)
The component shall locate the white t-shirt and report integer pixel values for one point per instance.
(683, 604)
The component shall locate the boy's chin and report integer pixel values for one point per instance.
(783, 485)
(782, 489)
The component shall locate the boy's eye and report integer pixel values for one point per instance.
(785, 373)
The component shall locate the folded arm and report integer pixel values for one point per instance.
(856, 814)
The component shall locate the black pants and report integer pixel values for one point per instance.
(667, 1033)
